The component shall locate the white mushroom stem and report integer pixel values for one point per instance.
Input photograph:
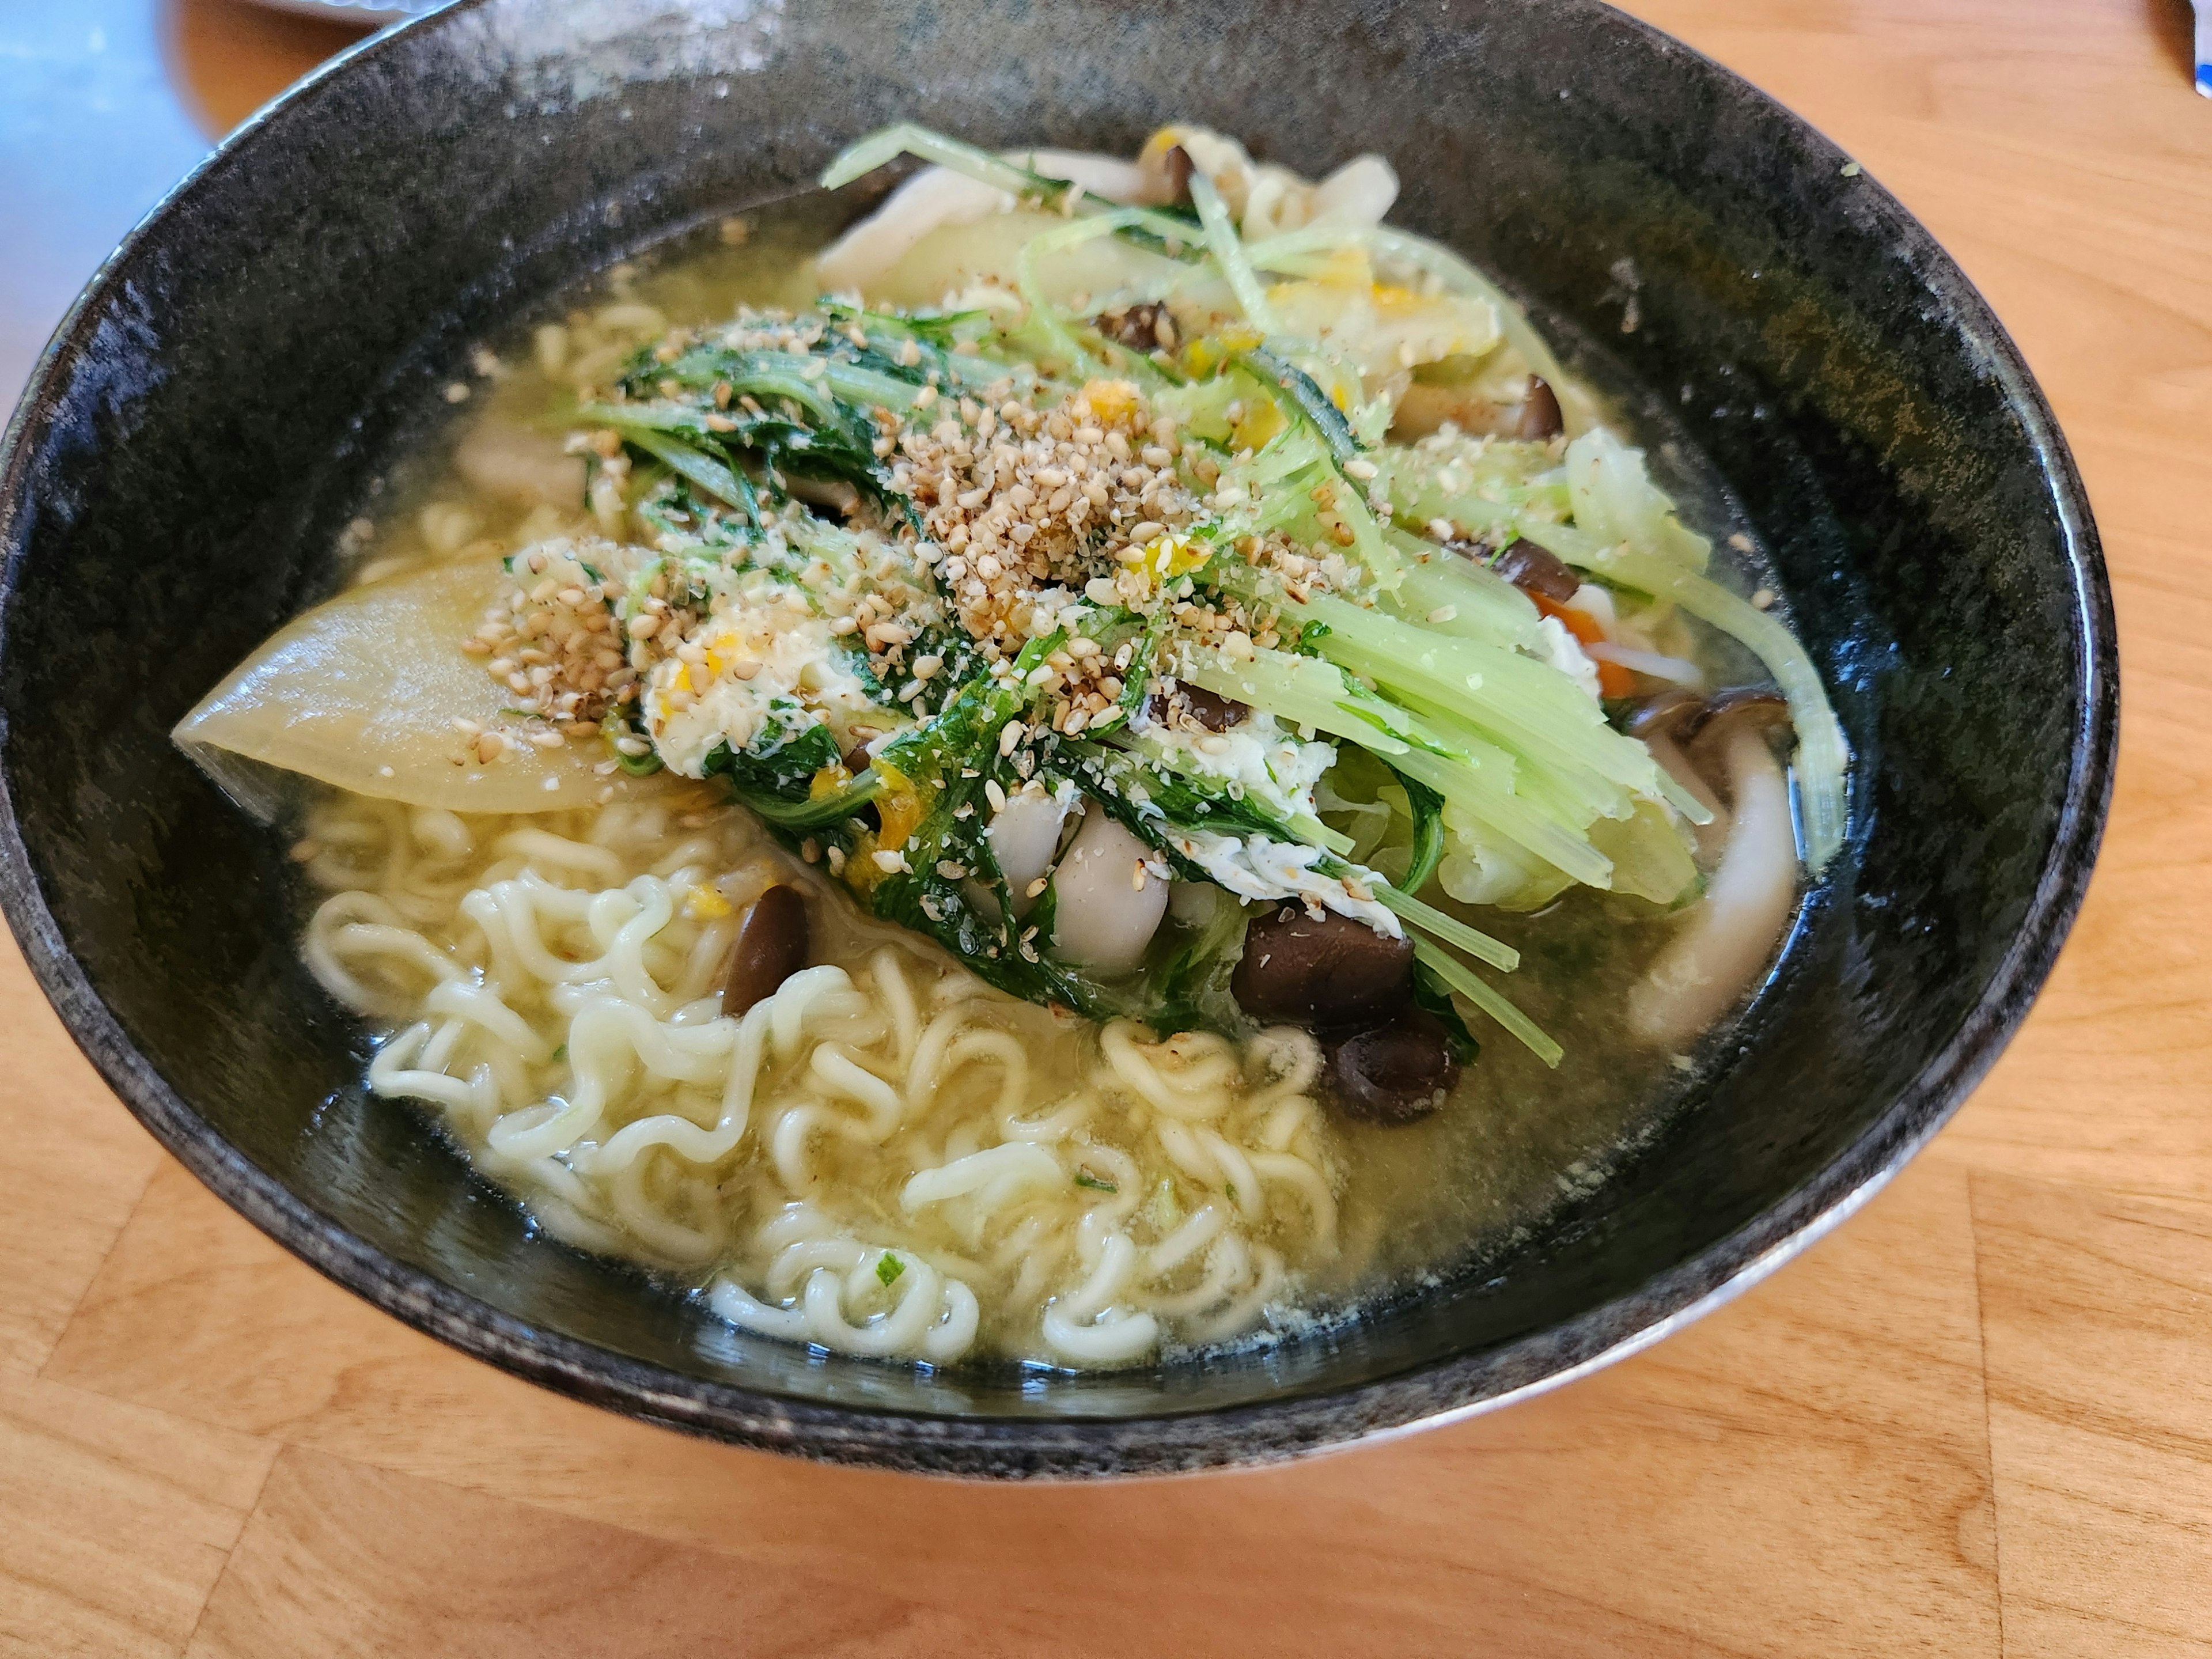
(1108, 902)
(1731, 935)
(1024, 834)
(1712, 838)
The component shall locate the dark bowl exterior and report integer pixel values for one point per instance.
(217, 406)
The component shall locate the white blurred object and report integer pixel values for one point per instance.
(2204, 47)
(373, 12)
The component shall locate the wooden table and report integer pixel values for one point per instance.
(1978, 1420)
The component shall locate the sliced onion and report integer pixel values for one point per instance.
(363, 692)
(937, 197)
(1676, 670)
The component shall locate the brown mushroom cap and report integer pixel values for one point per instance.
(1705, 740)
(772, 946)
(1144, 327)
(1700, 728)
(1180, 168)
(1535, 569)
(1394, 1073)
(1213, 712)
(1541, 415)
(1323, 972)
(1668, 714)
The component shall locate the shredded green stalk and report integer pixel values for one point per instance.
(1228, 251)
(1046, 314)
(1823, 759)
(1462, 979)
(1450, 929)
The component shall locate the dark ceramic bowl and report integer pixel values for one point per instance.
(210, 415)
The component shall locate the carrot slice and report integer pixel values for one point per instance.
(1612, 680)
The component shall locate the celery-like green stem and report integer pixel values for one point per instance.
(1307, 692)
(1461, 979)
(1523, 701)
(1450, 929)
(1221, 239)
(1823, 761)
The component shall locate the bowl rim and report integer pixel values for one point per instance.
(1439, 1391)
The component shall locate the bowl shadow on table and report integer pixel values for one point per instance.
(2172, 24)
(231, 56)
(1804, 336)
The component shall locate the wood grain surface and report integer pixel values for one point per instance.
(1976, 1421)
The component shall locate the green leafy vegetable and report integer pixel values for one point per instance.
(1433, 995)
(781, 765)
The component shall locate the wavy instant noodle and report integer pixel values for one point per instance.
(869, 1158)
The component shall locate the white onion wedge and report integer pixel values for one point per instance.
(362, 692)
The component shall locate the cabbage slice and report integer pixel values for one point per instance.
(978, 263)
(1615, 500)
(362, 692)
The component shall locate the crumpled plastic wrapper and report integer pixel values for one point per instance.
(2204, 47)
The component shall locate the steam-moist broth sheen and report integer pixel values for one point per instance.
(888, 1157)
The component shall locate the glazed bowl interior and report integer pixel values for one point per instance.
(231, 390)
